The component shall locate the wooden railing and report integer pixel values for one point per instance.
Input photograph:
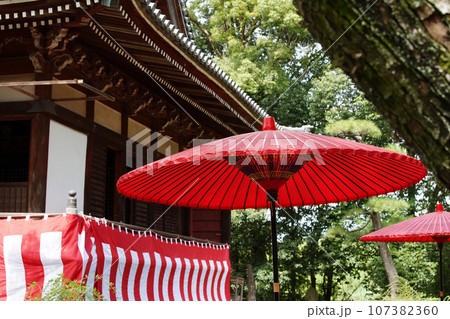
(14, 197)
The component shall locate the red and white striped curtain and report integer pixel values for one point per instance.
(140, 265)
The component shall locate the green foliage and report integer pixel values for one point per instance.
(257, 46)
(354, 289)
(407, 292)
(396, 148)
(251, 237)
(386, 204)
(335, 97)
(251, 244)
(358, 129)
(63, 289)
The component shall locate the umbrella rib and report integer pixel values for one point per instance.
(300, 193)
(286, 137)
(241, 140)
(325, 140)
(276, 142)
(259, 189)
(374, 176)
(309, 191)
(394, 169)
(246, 194)
(209, 181)
(423, 221)
(158, 184)
(320, 190)
(345, 194)
(368, 172)
(296, 186)
(265, 139)
(326, 184)
(204, 169)
(153, 185)
(135, 183)
(235, 171)
(288, 194)
(138, 182)
(143, 179)
(240, 182)
(332, 162)
(373, 179)
(420, 223)
(223, 169)
(392, 166)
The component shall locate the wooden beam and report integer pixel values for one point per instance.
(87, 98)
(39, 82)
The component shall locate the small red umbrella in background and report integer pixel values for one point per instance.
(432, 227)
(268, 168)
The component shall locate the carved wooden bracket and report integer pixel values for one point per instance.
(52, 54)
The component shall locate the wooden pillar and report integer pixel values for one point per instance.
(89, 150)
(88, 175)
(120, 209)
(119, 200)
(37, 178)
(39, 143)
(44, 92)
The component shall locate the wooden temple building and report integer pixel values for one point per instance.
(89, 90)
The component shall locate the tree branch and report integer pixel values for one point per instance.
(207, 35)
(360, 228)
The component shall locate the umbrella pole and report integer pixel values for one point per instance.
(440, 246)
(273, 223)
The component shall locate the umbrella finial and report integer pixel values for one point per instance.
(269, 124)
(439, 208)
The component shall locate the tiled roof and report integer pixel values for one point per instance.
(189, 45)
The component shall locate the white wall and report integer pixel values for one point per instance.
(66, 167)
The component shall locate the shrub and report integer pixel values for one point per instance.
(63, 289)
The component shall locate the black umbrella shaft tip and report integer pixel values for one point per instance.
(273, 222)
(441, 246)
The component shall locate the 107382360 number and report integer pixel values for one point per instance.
(403, 310)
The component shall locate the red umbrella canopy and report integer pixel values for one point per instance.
(302, 168)
(432, 227)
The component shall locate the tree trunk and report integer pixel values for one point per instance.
(312, 275)
(293, 284)
(388, 262)
(398, 54)
(251, 286)
(329, 286)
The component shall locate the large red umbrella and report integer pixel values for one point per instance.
(432, 227)
(262, 169)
